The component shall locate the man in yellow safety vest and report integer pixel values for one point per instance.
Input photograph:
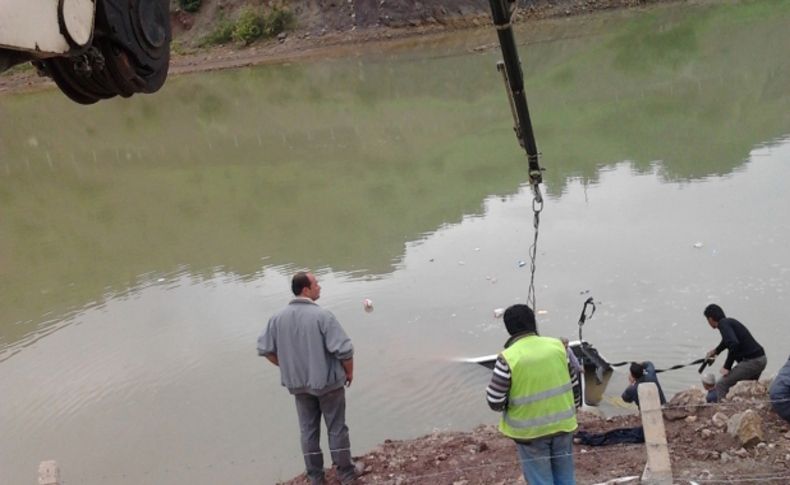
(532, 387)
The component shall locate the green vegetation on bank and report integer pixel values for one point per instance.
(250, 25)
(190, 5)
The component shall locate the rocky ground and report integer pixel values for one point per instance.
(327, 27)
(740, 440)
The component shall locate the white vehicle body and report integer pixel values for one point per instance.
(46, 27)
(92, 49)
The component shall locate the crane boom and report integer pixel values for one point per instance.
(502, 13)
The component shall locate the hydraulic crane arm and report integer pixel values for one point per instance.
(502, 13)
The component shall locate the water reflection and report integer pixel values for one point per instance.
(157, 224)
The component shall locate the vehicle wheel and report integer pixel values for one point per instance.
(136, 41)
(130, 53)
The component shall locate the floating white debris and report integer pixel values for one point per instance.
(522, 263)
(698, 245)
(543, 312)
(160, 280)
(498, 312)
(367, 304)
(461, 263)
(477, 249)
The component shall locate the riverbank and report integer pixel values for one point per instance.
(704, 444)
(328, 29)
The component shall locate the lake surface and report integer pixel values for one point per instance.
(145, 242)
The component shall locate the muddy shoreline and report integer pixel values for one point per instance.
(704, 446)
(312, 40)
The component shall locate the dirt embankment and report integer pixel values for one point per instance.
(707, 443)
(325, 27)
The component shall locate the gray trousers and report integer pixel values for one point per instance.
(746, 370)
(333, 407)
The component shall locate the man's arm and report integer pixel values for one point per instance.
(348, 366)
(575, 365)
(629, 395)
(730, 341)
(650, 369)
(336, 341)
(498, 388)
(267, 343)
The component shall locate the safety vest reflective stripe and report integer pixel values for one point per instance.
(519, 401)
(541, 421)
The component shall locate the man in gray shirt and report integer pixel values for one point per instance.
(315, 357)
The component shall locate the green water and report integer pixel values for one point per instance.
(132, 226)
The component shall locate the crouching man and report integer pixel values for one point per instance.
(532, 387)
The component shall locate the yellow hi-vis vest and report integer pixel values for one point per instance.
(540, 401)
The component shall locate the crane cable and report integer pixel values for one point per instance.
(537, 207)
(502, 14)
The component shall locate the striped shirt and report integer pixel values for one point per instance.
(498, 388)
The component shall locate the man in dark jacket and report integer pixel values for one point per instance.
(741, 348)
(639, 373)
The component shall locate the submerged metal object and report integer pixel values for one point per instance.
(597, 372)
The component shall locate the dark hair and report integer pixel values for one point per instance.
(519, 318)
(637, 370)
(714, 312)
(299, 282)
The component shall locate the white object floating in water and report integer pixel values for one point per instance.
(477, 249)
(543, 312)
(522, 263)
(160, 280)
(367, 304)
(461, 263)
(698, 245)
(498, 312)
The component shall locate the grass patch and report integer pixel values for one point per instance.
(190, 5)
(250, 25)
(222, 34)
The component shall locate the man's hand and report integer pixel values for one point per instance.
(348, 366)
(711, 354)
(273, 359)
(631, 379)
(724, 371)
